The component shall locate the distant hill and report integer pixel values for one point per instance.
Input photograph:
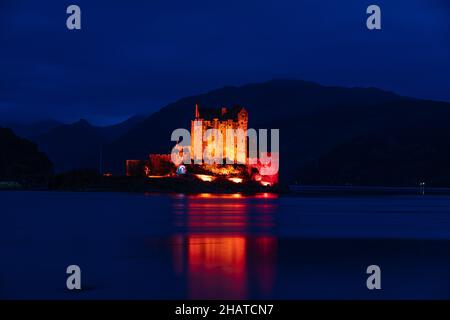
(394, 157)
(112, 132)
(79, 145)
(20, 159)
(31, 130)
(74, 146)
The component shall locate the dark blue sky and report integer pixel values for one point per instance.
(136, 56)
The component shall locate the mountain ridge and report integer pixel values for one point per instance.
(270, 104)
(313, 120)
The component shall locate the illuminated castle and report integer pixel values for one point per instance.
(221, 119)
(241, 168)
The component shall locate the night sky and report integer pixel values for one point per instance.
(136, 56)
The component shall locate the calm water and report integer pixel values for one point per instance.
(230, 246)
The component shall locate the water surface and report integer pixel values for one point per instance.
(135, 246)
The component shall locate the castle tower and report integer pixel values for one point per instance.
(197, 113)
(194, 148)
(243, 119)
(242, 123)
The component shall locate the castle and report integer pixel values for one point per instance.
(220, 119)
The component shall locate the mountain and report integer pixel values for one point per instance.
(313, 119)
(112, 132)
(73, 146)
(31, 130)
(20, 159)
(394, 157)
(328, 134)
(80, 145)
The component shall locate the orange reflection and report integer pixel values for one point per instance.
(217, 267)
(222, 252)
(264, 251)
(266, 195)
(225, 266)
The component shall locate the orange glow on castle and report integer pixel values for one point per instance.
(222, 119)
(237, 168)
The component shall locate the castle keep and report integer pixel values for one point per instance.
(221, 119)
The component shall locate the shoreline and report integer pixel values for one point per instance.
(281, 190)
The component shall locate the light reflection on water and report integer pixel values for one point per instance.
(225, 245)
(231, 246)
